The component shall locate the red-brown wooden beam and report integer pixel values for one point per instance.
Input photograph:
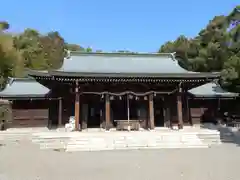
(151, 112)
(107, 112)
(180, 108)
(77, 108)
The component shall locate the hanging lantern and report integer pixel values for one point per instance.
(145, 98)
(102, 96)
(136, 98)
(120, 97)
(111, 97)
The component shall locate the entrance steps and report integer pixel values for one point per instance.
(211, 139)
(121, 143)
(14, 136)
(17, 134)
(149, 140)
(118, 140)
(50, 142)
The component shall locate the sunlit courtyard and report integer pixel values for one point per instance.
(25, 161)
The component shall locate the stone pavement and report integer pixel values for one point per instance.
(27, 162)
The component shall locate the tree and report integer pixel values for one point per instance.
(9, 58)
(4, 25)
(89, 49)
(215, 48)
(74, 47)
(29, 44)
(52, 50)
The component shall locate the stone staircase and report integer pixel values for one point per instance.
(119, 141)
(99, 140)
(13, 137)
(51, 140)
(211, 137)
(55, 143)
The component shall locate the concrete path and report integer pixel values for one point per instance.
(27, 162)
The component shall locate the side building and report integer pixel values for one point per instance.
(30, 103)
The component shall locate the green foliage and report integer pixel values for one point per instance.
(4, 25)
(215, 48)
(9, 57)
(5, 113)
(31, 49)
(73, 47)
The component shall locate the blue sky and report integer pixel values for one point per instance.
(115, 25)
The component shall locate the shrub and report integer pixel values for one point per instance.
(5, 114)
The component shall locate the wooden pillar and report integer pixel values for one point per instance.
(151, 112)
(189, 112)
(60, 112)
(77, 107)
(50, 113)
(107, 112)
(179, 108)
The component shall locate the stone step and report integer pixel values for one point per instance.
(209, 137)
(53, 146)
(101, 140)
(18, 132)
(176, 146)
(85, 142)
(38, 141)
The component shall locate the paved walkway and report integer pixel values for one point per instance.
(27, 162)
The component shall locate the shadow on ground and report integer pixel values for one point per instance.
(227, 134)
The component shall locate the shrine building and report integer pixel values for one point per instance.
(105, 90)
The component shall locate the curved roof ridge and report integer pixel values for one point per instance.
(81, 53)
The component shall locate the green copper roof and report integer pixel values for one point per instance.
(211, 90)
(23, 87)
(121, 63)
(79, 64)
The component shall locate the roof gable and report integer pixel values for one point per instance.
(23, 87)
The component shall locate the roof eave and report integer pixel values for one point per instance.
(229, 95)
(215, 96)
(31, 72)
(29, 96)
(136, 75)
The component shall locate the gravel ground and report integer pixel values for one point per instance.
(27, 162)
